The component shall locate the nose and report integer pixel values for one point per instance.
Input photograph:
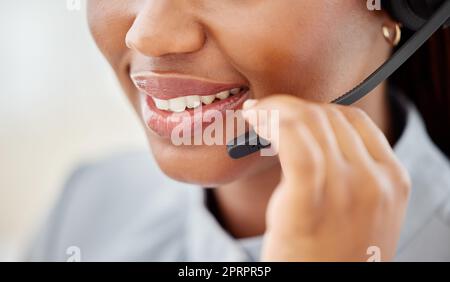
(163, 27)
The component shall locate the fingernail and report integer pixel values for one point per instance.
(249, 103)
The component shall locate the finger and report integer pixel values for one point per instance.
(302, 163)
(288, 106)
(294, 109)
(349, 141)
(266, 115)
(374, 140)
(316, 119)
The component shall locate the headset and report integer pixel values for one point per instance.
(424, 17)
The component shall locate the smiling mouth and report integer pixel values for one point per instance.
(180, 104)
(164, 121)
(176, 92)
(169, 101)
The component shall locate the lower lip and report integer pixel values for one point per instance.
(164, 122)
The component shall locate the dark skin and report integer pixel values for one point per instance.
(295, 56)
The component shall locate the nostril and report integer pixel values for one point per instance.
(128, 40)
(128, 44)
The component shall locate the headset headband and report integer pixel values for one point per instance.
(413, 14)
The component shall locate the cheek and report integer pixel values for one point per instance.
(275, 52)
(109, 22)
(286, 49)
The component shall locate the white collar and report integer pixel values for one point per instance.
(429, 170)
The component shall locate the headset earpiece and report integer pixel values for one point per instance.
(413, 14)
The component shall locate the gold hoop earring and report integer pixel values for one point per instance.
(392, 33)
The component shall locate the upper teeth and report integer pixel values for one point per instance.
(179, 104)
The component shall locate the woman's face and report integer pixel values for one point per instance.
(315, 49)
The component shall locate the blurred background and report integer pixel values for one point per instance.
(60, 106)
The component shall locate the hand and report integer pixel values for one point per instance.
(342, 189)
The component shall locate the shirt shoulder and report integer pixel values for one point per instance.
(426, 229)
(121, 208)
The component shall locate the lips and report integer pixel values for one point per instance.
(170, 87)
(162, 98)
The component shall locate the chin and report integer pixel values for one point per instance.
(206, 166)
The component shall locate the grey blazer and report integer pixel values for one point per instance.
(125, 209)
